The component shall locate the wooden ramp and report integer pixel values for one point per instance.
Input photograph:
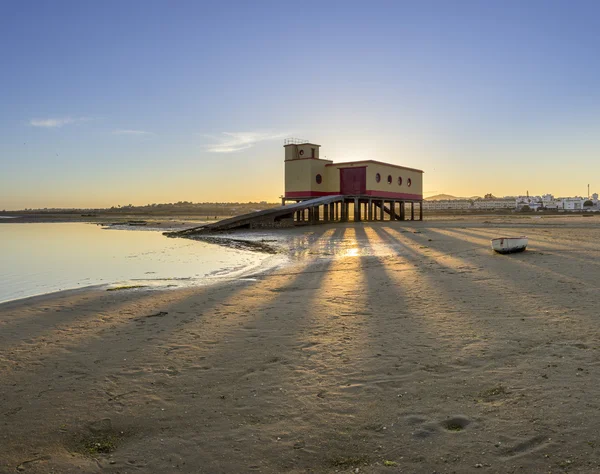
(282, 216)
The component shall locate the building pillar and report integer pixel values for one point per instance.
(420, 210)
(412, 210)
(382, 204)
(331, 215)
(402, 210)
(392, 210)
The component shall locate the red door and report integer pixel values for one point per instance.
(353, 180)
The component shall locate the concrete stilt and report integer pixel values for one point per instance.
(412, 211)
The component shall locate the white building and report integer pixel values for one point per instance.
(534, 203)
(469, 205)
(494, 204)
(447, 205)
(573, 204)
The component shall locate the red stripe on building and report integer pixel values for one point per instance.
(303, 194)
(390, 195)
(373, 194)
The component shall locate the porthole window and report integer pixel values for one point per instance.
(409, 182)
(389, 179)
(319, 179)
(399, 180)
(378, 177)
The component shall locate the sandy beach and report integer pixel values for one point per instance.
(384, 347)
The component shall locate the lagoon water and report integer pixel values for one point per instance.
(43, 258)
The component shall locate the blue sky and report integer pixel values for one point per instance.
(111, 103)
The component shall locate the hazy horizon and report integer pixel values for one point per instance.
(136, 102)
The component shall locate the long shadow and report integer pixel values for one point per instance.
(543, 297)
(41, 313)
(54, 316)
(269, 389)
(567, 253)
(542, 242)
(443, 343)
(443, 280)
(523, 260)
(499, 300)
(83, 359)
(48, 325)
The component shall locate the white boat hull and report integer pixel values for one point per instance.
(510, 244)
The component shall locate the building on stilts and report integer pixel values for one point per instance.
(369, 190)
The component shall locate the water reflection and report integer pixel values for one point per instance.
(42, 258)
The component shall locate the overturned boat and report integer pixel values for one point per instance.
(510, 244)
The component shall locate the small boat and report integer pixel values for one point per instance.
(510, 244)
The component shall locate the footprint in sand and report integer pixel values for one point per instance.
(425, 429)
(524, 447)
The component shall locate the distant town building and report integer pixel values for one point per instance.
(519, 203)
(488, 204)
(492, 204)
(447, 204)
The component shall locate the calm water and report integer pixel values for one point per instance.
(43, 258)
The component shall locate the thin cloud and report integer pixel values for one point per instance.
(56, 122)
(131, 132)
(230, 142)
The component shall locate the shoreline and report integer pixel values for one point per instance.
(136, 284)
(220, 264)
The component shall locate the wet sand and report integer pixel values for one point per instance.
(386, 347)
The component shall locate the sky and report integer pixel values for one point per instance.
(114, 103)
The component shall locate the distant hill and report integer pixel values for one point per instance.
(439, 197)
(448, 197)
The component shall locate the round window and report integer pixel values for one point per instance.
(389, 179)
(301, 152)
(399, 180)
(409, 182)
(378, 177)
(319, 179)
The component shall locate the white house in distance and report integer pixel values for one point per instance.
(535, 203)
(549, 202)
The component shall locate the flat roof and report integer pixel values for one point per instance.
(300, 144)
(375, 162)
